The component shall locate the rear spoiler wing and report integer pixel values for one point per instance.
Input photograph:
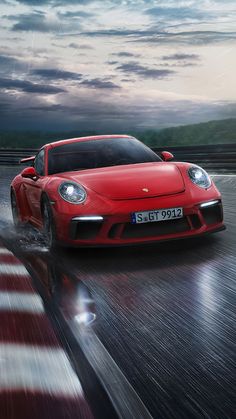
(27, 159)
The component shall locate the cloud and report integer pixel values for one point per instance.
(144, 72)
(99, 84)
(74, 15)
(39, 22)
(153, 36)
(198, 38)
(124, 31)
(82, 46)
(180, 60)
(36, 22)
(8, 64)
(74, 46)
(106, 33)
(33, 2)
(112, 62)
(28, 87)
(56, 74)
(4, 109)
(178, 13)
(93, 111)
(54, 2)
(180, 56)
(125, 54)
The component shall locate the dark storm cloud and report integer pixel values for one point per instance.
(88, 111)
(4, 108)
(56, 74)
(144, 72)
(28, 87)
(99, 84)
(179, 57)
(97, 112)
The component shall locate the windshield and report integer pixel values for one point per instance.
(92, 154)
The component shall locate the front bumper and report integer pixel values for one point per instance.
(116, 228)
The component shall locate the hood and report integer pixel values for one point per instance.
(134, 181)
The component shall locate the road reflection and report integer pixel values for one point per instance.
(65, 289)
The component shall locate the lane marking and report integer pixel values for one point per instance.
(27, 328)
(34, 368)
(13, 269)
(4, 251)
(21, 302)
(15, 284)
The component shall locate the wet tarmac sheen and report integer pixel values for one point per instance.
(166, 314)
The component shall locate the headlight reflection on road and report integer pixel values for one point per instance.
(84, 306)
(85, 318)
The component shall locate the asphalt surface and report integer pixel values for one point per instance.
(165, 313)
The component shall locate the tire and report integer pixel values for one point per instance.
(15, 211)
(49, 230)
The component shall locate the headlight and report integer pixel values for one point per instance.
(72, 192)
(199, 177)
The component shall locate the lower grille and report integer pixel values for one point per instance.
(84, 230)
(159, 228)
(212, 214)
(113, 231)
(195, 221)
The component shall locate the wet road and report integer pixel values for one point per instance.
(165, 313)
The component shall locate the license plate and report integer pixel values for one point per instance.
(156, 215)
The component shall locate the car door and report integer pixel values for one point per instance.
(33, 187)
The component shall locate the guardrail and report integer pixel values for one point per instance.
(220, 157)
(212, 157)
(10, 157)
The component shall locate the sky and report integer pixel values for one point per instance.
(116, 65)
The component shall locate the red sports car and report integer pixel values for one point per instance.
(113, 190)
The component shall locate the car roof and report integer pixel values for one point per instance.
(94, 137)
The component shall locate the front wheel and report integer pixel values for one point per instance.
(49, 230)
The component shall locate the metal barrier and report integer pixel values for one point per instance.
(10, 157)
(212, 157)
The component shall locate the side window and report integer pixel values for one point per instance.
(39, 163)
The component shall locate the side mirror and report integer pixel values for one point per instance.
(27, 160)
(166, 156)
(30, 173)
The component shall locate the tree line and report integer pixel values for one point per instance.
(212, 132)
